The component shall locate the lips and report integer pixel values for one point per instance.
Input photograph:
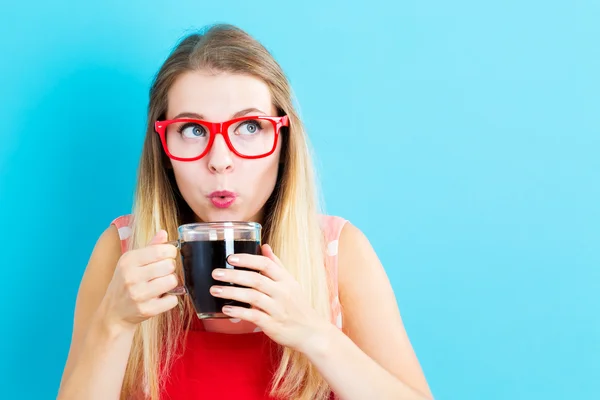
(222, 198)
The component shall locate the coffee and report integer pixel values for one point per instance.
(200, 258)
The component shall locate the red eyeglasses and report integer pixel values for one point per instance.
(188, 139)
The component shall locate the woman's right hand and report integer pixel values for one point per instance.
(140, 281)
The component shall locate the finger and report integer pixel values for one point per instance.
(160, 304)
(268, 252)
(155, 288)
(248, 279)
(160, 237)
(250, 296)
(153, 253)
(158, 249)
(156, 269)
(262, 264)
(257, 317)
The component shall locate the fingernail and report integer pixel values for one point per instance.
(220, 274)
(227, 309)
(216, 290)
(233, 259)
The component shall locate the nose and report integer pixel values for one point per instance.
(220, 158)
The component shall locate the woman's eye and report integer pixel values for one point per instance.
(192, 131)
(248, 128)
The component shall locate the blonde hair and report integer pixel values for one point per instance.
(291, 224)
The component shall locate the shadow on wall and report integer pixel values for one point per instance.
(72, 171)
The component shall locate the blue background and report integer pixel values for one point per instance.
(462, 137)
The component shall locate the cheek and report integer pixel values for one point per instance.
(188, 175)
(260, 175)
(257, 173)
(258, 178)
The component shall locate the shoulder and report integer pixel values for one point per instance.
(101, 265)
(357, 259)
(351, 239)
(108, 245)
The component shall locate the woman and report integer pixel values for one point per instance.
(325, 321)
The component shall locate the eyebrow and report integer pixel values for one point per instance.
(237, 114)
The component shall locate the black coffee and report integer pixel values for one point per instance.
(199, 259)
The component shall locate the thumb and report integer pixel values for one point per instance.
(160, 237)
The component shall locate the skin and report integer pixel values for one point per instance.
(371, 358)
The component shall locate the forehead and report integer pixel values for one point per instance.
(217, 96)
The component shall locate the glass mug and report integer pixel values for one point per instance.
(206, 246)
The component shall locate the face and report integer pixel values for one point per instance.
(218, 98)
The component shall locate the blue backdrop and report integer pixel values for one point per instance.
(461, 136)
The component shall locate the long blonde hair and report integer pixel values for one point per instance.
(291, 225)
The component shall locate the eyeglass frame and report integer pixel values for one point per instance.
(216, 128)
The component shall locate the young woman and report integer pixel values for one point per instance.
(324, 321)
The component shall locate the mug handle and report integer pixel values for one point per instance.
(179, 290)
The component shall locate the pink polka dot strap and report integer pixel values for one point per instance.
(122, 224)
(332, 227)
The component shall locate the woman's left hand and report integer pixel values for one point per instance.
(279, 307)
